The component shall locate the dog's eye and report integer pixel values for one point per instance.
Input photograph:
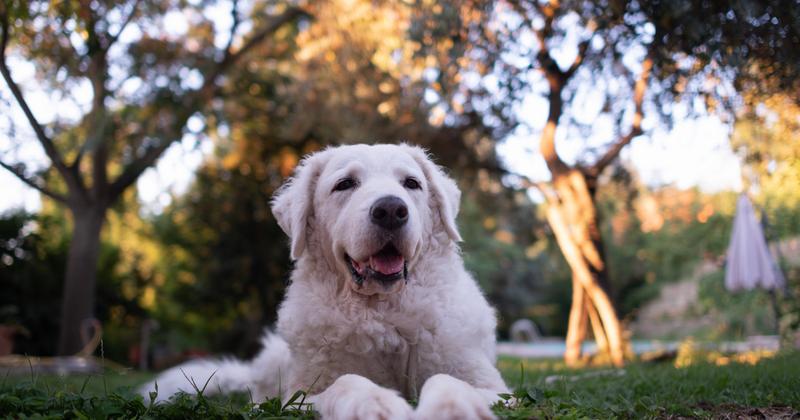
(345, 184)
(412, 184)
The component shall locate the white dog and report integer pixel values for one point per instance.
(380, 308)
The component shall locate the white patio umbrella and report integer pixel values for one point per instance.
(750, 263)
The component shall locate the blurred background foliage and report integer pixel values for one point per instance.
(211, 266)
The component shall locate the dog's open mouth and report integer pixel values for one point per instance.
(386, 266)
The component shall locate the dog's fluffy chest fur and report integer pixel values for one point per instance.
(378, 339)
(397, 343)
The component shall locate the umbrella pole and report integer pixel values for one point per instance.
(776, 310)
(773, 294)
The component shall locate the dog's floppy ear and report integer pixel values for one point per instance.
(292, 204)
(445, 194)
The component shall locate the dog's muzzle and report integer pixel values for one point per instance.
(386, 267)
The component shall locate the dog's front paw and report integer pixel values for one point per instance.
(445, 397)
(353, 397)
(382, 404)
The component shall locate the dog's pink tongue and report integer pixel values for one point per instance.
(387, 264)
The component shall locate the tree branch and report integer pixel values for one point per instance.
(98, 140)
(136, 168)
(82, 150)
(231, 58)
(132, 172)
(549, 65)
(99, 168)
(582, 47)
(94, 40)
(517, 6)
(33, 184)
(541, 186)
(234, 25)
(548, 14)
(636, 126)
(124, 24)
(44, 140)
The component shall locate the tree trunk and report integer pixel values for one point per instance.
(79, 285)
(576, 328)
(571, 213)
(597, 328)
(571, 207)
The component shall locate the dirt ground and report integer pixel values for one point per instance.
(735, 412)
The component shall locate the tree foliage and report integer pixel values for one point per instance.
(134, 88)
(339, 83)
(456, 77)
(728, 48)
(765, 135)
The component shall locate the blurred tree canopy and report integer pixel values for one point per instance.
(133, 84)
(766, 135)
(724, 49)
(338, 84)
(600, 66)
(213, 264)
(456, 77)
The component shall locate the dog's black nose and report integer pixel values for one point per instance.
(389, 212)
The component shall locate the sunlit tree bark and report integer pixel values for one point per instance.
(571, 208)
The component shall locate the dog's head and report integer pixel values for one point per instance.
(369, 211)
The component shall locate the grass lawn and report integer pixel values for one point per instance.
(763, 390)
(545, 389)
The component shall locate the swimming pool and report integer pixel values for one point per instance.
(555, 347)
